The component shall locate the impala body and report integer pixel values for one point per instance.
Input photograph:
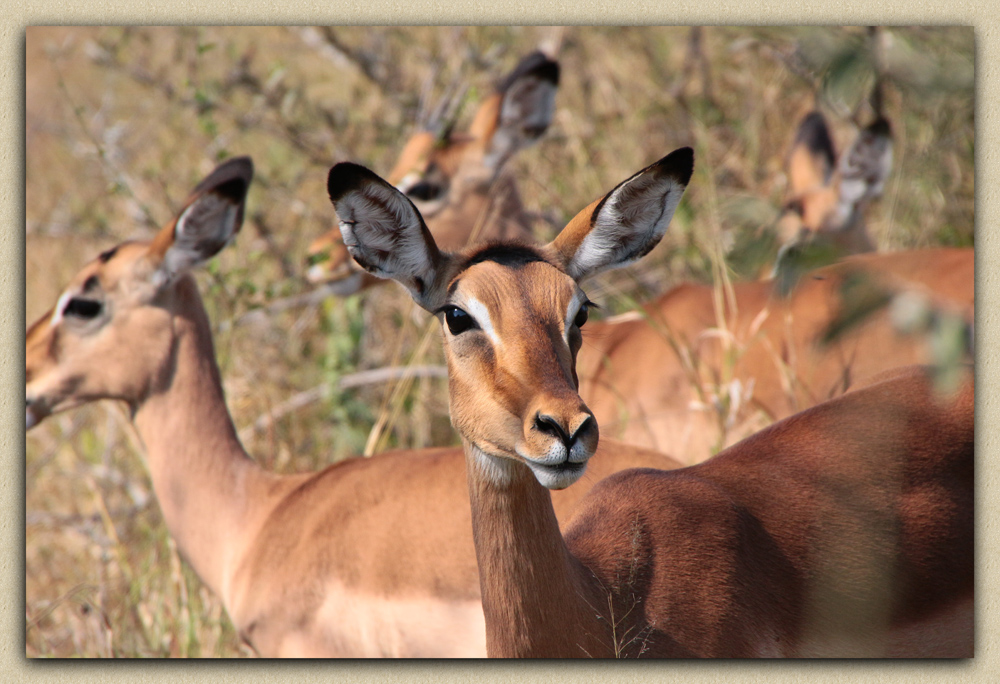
(844, 530)
(369, 557)
(641, 373)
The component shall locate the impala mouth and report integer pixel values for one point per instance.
(557, 475)
(33, 414)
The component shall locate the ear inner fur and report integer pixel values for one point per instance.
(384, 232)
(608, 232)
(211, 217)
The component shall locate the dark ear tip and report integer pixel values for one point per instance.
(345, 177)
(230, 178)
(881, 127)
(547, 70)
(535, 63)
(241, 166)
(679, 164)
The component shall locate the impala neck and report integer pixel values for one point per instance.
(209, 490)
(536, 597)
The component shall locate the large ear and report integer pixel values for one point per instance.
(211, 217)
(527, 103)
(626, 223)
(385, 233)
(812, 158)
(865, 167)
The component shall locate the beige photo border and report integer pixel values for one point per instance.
(14, 667)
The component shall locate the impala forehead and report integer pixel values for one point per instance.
(102, 275)
(113, 265)
(498, 292)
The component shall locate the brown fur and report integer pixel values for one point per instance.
(845, 530)
(826, 534)
(777, 348)
(369, 557)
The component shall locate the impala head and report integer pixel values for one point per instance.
(827, 196)
(110, 334)
(448, 175)
(511, 313)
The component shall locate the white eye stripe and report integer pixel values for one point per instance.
(409, 180)
(574, 307)
(57, 314)
(481, 314)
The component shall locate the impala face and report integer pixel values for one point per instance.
(448, 176)
(511, 323)
(511, 314)
(828, 195)
(83, 331)
(73, 353)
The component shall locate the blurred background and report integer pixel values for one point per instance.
(121, 123)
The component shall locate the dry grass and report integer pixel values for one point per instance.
(121, 123)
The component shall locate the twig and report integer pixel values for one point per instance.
(350, 381)
(305, 299)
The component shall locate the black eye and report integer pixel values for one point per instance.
(582, 315)
(425, 192)
(82, 308)
(458, 321)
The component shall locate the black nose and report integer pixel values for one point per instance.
(551, 426)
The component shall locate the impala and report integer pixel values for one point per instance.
(369, 557)
(456, 179)
(716, 363)
(843, 530)
(828, 198)
(759, 349)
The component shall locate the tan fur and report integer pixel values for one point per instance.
(814, 190)
(775, 343)
(844, 530)
(369, 557)
(476, 205)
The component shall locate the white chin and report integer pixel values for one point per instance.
(559, 477)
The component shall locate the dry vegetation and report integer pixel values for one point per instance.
(121, 123)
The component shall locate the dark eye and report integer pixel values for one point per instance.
(458, 321)
(82, 308)
(424, 191)
(582, 315)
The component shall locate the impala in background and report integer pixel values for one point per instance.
(456, 179)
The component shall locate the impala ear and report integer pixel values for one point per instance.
(812, 158)
(865, 167)
(211, 217)
(526, 106)
(628, 222)
(385, 233)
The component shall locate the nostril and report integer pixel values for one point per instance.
(551, 426)
(587, 424)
